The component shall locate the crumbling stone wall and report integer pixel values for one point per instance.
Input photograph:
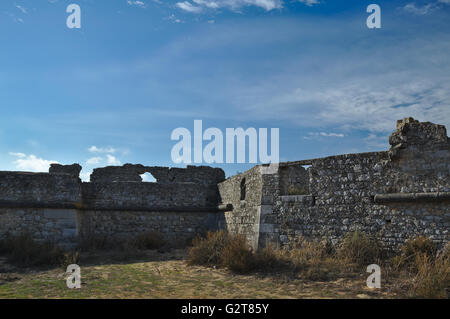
(203, 175)
(395, 195)
(244, 216)
(294, 180)
(58, 206)
(177, 227)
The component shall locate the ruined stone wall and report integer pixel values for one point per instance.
(141, 196)
(58, 206)
(244, 218)
(394, 195)
(294, 180)
(177, 227)
(397, 194)
(28, 189)
(59, 225)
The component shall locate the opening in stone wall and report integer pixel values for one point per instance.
(243, 189)
(148, 178)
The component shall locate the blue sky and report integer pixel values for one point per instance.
(113, 91)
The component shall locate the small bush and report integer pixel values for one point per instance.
(237, 256)
(148, 240)
(413, 251)
(359, 248)
(304, 252)
(270, 259)
(208, 251)
(69, 258)
(23, 251)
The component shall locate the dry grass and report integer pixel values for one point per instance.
(222, 265)
(359, 248)
(166, 275)
(23, 251)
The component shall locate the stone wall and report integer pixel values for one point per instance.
(28, 189)
(243, 192)
(177, 227)
(58, 206)
(395, 195)
(59, 225)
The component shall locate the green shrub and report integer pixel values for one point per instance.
(359, 248)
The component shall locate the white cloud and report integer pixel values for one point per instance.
(24, 10)
(20, 155)
(375, 142)
(309, 2)
(112, 160)
(312, 135)
(94, 160)
(444, 1)
(95, 149)
(420, 10)
(187, 6)
(331, 134)
(137, 3)
(31, 163)
(174, 19)
(200, 5)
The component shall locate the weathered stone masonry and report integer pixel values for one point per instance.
(395, 195)
(57, 205)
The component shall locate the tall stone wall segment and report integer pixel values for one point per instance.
(394, 195)
(59, 206)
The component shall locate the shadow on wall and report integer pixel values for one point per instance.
(294, 180)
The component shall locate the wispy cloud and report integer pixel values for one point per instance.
(187, 6)
(21, 8)
(31, 163)
(198, 6)
(309, 2)
(420, 10)
(20, 155)
(14, 17)
(312, 135)
(94, 160)
(137, 3)
(174, 19)
(95, 149)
